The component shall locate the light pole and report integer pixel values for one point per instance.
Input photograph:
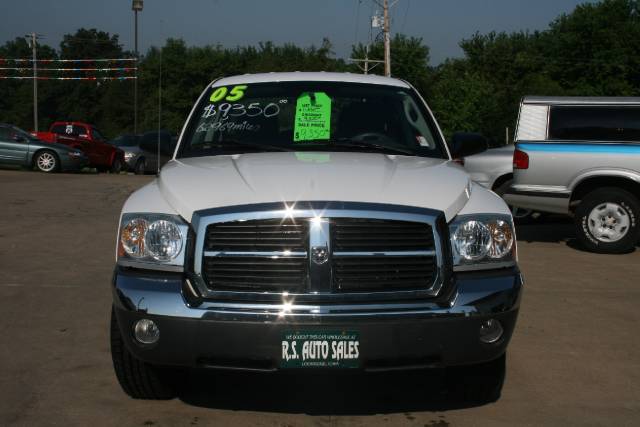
(136, 6)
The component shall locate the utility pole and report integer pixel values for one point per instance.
(136, 6)
(375, 23)
(387, 39)
(33, 40)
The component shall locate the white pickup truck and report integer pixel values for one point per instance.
(314, 221)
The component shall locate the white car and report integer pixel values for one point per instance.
(314, 221)
(493, 169)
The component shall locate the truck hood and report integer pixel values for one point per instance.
(193, 184)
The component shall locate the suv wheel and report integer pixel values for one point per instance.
(46, 161)
(607, 220)
(138, 379)
(140, 168)
(481, 383)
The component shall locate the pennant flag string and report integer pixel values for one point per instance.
(68, 60)
(70, 69)
(67, 78)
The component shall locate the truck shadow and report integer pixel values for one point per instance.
(320, 394)
(551, 229)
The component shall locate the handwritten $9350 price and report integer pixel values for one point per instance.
(240, 110)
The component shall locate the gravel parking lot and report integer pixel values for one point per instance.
(574, 358)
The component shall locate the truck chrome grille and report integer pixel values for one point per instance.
(342, 253)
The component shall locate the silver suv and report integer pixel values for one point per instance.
(581, 156)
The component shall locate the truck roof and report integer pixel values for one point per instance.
(582, 100)
(299, 76)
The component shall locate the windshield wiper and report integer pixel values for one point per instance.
(347, 142)
(228, 143)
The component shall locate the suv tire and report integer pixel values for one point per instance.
(607, 221)
(137, 378)
(480, 384)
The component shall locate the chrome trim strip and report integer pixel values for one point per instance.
(265, 254)
(386, 253)
(493, 265)
(320, 274)
(149, 265)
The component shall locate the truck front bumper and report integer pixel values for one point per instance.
(400, 336)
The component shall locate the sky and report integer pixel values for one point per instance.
(441, 23)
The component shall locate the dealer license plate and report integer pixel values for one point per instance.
(320, 349)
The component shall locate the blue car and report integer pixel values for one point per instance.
(20, 148)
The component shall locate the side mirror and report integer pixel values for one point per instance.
(465, 144)
(19, 138)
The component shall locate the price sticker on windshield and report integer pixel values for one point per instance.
(313, 117)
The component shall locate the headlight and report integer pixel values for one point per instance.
(482, 242)
(128, 155)
(152, 241)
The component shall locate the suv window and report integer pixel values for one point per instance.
(595, 123)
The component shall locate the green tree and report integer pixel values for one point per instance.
(409, 59)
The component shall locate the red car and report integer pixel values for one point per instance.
(102, 155)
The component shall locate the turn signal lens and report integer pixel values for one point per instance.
(501, 238)
(132, 237)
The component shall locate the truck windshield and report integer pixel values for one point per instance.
(311, 116)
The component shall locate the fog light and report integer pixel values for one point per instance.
(146, 331)
(491, 331)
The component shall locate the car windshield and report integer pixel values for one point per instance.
(124, 141)
(311, 116)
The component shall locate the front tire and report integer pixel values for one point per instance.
(47, 161)
(607, 221)
(138, 379)
(481, 383)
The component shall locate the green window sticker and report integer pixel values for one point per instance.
(313, 117)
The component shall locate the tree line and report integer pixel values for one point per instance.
(592, 51)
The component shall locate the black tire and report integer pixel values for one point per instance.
(116, 166)
(138, 379)
(140, 167)
(46, 161)
(478, 384)
(593, 203)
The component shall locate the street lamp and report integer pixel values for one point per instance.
(136, 6)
